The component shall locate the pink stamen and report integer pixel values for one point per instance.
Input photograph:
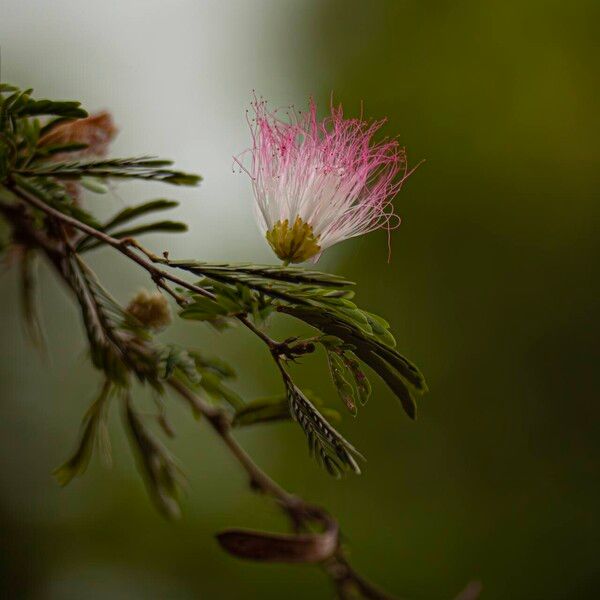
(329, 172)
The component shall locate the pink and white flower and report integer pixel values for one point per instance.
(319, 182)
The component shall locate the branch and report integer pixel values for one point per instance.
(158, 275)
(122, 245)
(323, 548)
(304, 545)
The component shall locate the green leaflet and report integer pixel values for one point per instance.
(29, 297)
(93, 185)
(380, 328)
(19, 104)
(93, 433)
(47, 151)
(263, 410)
(26, 107)
(213, 385)
(339, 374)
(230, 301)
(349, 379)
(395, 383)
(133, 212)
(146, 168)
(172, 358)
(138, 210)
(319, 301)
(199, 371)
(158, 227)
(253, 275)
(363, 386)
(212, 365)
(203, 309)
(55, 195)
(275, 408)
(389, 364)
(325, 444)
(163, 476)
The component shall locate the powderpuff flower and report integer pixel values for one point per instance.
(320, 182)
(96, 131)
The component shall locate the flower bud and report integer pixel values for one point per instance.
(151, 309)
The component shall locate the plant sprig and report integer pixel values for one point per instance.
(43, 215)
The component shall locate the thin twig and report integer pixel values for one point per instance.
(300, 512)
(220, 422)
(124, 246)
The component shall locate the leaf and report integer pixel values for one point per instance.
(163, 476)
(250, 274)
(203, 309)
(28, 298)
(158, 227)
(46, 151)
(16, 100)
(144, 167)
(128, 214)
(173, 358)
(212, 364)
(361, 382)
(72, 110)
(132, 212)
(362, 344)
(380, 328)
(229, 301)
(212, 385)
(391, 366)
(109, 330)
(101, 318)
(350, 366)
(52, 123)
(331, 450)
(55, 195)
(238, 299)
(275, 408)
(263, 410)
(92, 432)
(339, 372)
(93, 185)
(395, 383)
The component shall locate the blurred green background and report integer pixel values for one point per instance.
(492, 290)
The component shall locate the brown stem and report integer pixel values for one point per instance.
(124, 246)
(345, 578)
(160, 282)
(220, 422)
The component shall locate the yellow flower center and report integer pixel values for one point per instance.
(293, 244)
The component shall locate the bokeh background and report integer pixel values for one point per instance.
(492, 290)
